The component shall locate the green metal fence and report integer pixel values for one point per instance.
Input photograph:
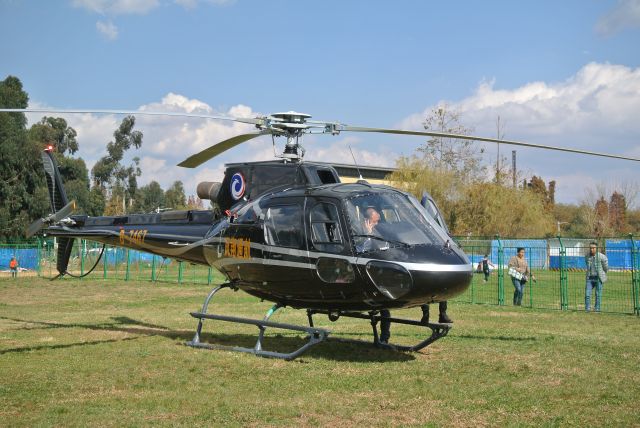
(555, 263)
(114, 264)
(560, 276)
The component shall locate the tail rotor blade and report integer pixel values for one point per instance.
(64, 212)
(203, 156)
(37, 225)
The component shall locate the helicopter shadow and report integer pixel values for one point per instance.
(500, 338)
(337, 349)
(119, 324)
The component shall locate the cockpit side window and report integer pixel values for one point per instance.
(326, 234)
(283, 226)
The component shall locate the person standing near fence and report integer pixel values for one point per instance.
(520, 273)
(597, 267)
(13, 267)
(486, 267)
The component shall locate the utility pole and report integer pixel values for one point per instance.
(498, 158)
(513, 167)
(500, 136)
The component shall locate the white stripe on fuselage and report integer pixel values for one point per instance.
(421, 267)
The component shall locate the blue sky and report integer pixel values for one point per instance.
(564, 73)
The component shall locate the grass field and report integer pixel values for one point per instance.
(111, 354)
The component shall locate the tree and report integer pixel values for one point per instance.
(149, 198)
(55, 132)
(618, 212)
(23, 191)
(109, 172)
(487, 209)
(414, 175)
(175, 197)
(97, 202)
(537, 185)
(194, 203)
(455, 155)
(601, 217)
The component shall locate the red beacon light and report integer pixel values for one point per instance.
(49, 148)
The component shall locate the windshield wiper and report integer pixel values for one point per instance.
(389, 241)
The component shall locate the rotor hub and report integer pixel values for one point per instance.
(292, 125)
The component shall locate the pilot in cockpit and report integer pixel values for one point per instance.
(371, 220)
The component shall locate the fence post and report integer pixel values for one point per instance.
(473, 278)
(39, 256)
(530, 275)
(500, 272)
(153, 268)
(180, 272)
(126, 274)
(105, 256)
(635, 280)
(83, 243)
(209, 276)
(564, 287)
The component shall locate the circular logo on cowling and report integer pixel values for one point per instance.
(237, 186)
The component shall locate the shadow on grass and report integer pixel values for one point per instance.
(337, 350)
(505, 338)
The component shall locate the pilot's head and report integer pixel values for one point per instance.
(372, 215)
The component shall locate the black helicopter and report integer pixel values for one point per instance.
(290, 232)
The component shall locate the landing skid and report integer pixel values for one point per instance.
(437, 330)
(314, 335)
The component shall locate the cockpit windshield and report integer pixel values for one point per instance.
(389, 219)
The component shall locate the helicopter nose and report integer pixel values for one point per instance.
(429, 276)
(439, 282)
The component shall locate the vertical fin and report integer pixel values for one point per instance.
(57, 195)
(58, 199)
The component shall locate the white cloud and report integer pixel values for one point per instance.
(596, 109)
(338, 152)
(626, 14)
(107, 29)
(169, 140)
(117, 7)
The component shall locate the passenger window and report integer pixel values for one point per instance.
(325, 228)
(283, 226)
(335, 271)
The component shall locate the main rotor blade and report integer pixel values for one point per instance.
(475, 138)
(251, 121)
(203, 156)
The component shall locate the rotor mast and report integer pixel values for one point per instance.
(292, 125)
